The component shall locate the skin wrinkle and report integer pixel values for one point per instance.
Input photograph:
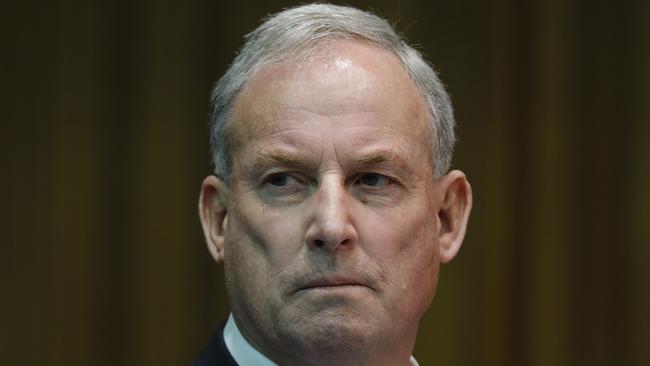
(267, 74)
(265, 155)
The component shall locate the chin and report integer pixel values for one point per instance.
(332, 333)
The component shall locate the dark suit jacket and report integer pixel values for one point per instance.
(215, 352)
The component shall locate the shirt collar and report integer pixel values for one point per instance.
(242, 351)
(245, 354)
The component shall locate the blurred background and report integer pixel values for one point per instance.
(104, 146)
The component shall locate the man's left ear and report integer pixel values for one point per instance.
(453, 213)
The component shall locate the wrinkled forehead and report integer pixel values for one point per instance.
(343, 76)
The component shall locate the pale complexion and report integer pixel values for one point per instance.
(333, 226)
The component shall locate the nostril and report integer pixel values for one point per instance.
(319, 243)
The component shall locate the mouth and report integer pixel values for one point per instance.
(333, 284)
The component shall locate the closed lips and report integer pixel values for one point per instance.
(331, 282)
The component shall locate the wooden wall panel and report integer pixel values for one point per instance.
(104, 145)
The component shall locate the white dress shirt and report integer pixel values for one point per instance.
(245, 354)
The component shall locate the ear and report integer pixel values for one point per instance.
(213, 210)
(453, 213)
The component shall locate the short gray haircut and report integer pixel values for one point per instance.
(301, 29)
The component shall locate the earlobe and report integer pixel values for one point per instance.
(213, 211)
(453, 214)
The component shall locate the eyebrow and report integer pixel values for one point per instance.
(273, 157)
(377, 157)
(391, 157)
(269, 157)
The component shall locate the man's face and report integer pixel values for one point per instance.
(332, 218)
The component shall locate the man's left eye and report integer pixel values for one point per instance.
(373, 180)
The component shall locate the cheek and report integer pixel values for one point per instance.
(273, 238)
(408, 234)
(256, 252)
(406, 246)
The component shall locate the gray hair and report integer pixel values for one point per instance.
(300, 29)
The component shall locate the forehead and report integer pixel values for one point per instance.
(348, 84)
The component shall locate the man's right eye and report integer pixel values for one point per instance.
(282, 184)
(279, 179)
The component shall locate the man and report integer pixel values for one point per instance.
(331, 208)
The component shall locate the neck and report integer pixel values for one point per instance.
(383, 359)
(389, 351)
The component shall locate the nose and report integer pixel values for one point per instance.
(331, 225)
